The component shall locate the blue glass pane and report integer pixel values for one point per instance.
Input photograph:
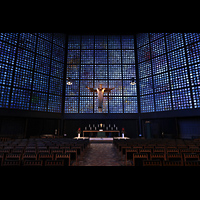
(101, 42)
(100, 56)
(114, 56)
(86, 105)
(4, 97)
(25, 59)
(20, 99)
(158, 47)
(115, 72)
(39, 101)
(87, 72)
(163, 101)
(115, 105)
(191, 37)
(127, 42)
(87, 42)
(114, 42)
(9, 37)
(27, 41)
(179, 78)
(55, 103)
(72, 90)
(144, 69)
(59, 39)
(6, 72)
(73, 57)
(71, 104)
(57, 69)
(130, 105)
(42, 64)
(23, 78)
(74, 42)
(7, 53)
(58, 53)
(44, 48)
(155, 36)
(159, 64)
(128, 89)
(83, 90)
(195, 74)
(47, 36)
(87, 56)
(142, 39)
(146, 86)
(174, 41)
(56, 86)
(143, 53)
(128, 71)
(147, 103)
(161, 82)
(73, 71)
(101, 72)
(128, 57)
(182, 99)
(196, 95)
(40, 82)
(117, 85)
(193, 53)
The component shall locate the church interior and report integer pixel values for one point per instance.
(99, 100)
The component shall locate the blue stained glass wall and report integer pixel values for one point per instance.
(169, 67)
(31, 71)
(101, 59)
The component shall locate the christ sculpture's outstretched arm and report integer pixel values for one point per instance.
(92, 89)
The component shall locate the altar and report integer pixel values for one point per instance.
(101, 133)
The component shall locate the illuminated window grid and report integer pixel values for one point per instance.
(23, 78)
(7, 53)
(155, 36)
(191, 37)
(128, 89)
(163, 101)
(58, 53)
(130, 105)
(181, 99)
(127, 41)
(39, 101)
(57, 69)
(73, 57)
(174, 41)
(128, 57)
(147, 103)
(115, 72)
(196, 96)
(87, 72)
(27, 41)
(20, 99)
(87, 56)
(100, 42)
(117, 84)
(114, 42)
(100, 56)
(59, 39)
(72, 90)
(42, 64)
(105, 105)
(40, 82)
(177, 59)
(86, 105)
(158, 47)
(46, 36)
(195, 74)
(114, 56)
(142, 39)
(179, 78)
(83, 90)
(87, 42)
(159, 64)
(73, 71)
(54, 103)
(193, 53)
(161, 82)
(6, 72)
(101, 72)
(71, 104)
(115, 105)
(144, 69)
(4, 97)
(56, 86)
(143, 53)
(74, 42)
(44, 47)
(146, 86)
(104, 85)
(9, 37)
(128, 71)
(25, 59)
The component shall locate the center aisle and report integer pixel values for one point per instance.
(101, 154)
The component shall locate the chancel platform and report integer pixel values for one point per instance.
(100, 133)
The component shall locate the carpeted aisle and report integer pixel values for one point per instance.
(101, 154)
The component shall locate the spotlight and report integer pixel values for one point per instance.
(132, 81)
(69, 82)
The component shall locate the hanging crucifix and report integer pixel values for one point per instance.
(100, 91)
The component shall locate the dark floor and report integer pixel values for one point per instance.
(101, 154)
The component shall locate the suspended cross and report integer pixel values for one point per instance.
(100, 91)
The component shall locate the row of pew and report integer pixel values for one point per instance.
(41, 152)
(159, 152)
